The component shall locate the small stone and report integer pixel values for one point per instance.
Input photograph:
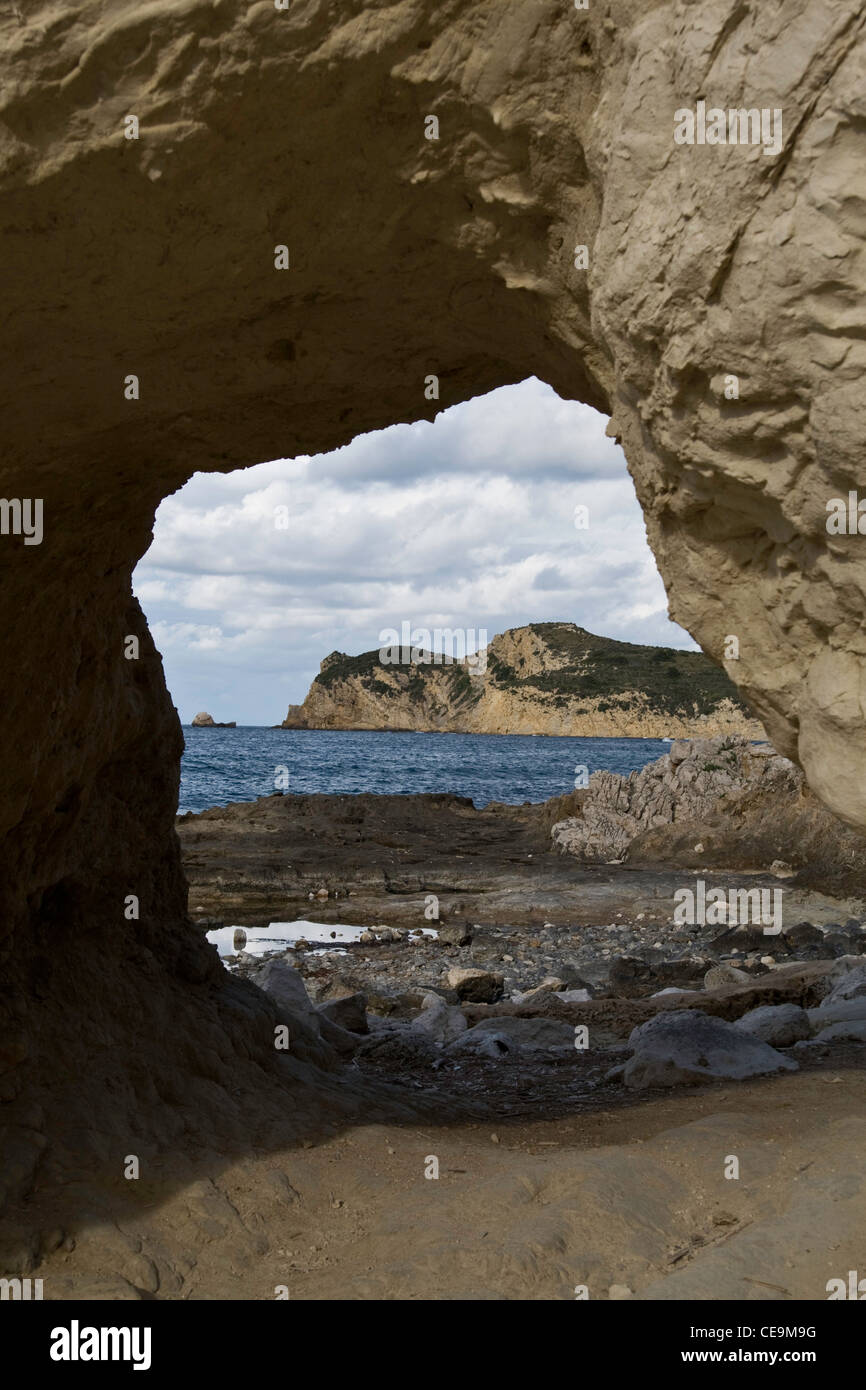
(476, 986)
(721, 976)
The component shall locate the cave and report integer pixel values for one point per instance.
(159, 257)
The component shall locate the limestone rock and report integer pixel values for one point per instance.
(455, 934)
(722, 976)
(476, 986)
(685, 1047)
(850, 985)
(780, 1025)
(496, 1037)
(847, 1030)
(440, 1021)
(349, 1011)
(842, 1011)
(701, 262)
(685, 785)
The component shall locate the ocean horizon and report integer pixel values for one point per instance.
(241, 764)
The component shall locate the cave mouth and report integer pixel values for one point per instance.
(510, 508)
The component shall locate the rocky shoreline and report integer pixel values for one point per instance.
(539, 934)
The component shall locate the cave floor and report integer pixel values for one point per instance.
(621, 1191)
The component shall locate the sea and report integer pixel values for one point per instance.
(224, 765)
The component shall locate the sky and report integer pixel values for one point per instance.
(466, 522)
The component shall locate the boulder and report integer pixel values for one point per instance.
(745, 937)
(688, 972)
(840, 1011)
(394, 1045)
(491, 1044)
(349, 1012)
(850, 985)
(836, 943)
(803, 934)
(476, 986)
(285, 987)
(680, 1048)
(312, 1036)
(852, 1030)
(527, 1035)
(456, 934)
(780, 1025)
(723, 976)
(551, 985)
(440, 1021)
(630, 977)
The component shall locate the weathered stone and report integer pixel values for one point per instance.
(552, 984)
(529, 1034)
(440, 1021)
(455, 934)
(848, 1030)
(780, 1025)
(476, 986)
(721, 976)
(349, 1011)
(686, 1046)
(842, 1011)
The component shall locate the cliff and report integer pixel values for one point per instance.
(547, 678)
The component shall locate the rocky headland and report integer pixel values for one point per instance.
(546, 678)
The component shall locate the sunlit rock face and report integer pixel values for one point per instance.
(280, 259)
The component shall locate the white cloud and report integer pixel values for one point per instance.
(467, 522)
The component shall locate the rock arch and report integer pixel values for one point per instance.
(154, 258)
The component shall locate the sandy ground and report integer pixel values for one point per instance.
(632, 1194)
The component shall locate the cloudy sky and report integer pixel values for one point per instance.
(467, 522)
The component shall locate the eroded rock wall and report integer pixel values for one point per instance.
(154, 258)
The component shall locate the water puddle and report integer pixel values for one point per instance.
(278, 936)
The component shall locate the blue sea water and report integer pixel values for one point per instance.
(222, 765)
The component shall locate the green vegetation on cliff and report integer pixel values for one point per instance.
(596, 668)
(568, 665)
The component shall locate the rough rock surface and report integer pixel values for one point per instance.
(676, 1049)
(722, 802)
(155, 258)
(685, 785)
(780, 1025)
